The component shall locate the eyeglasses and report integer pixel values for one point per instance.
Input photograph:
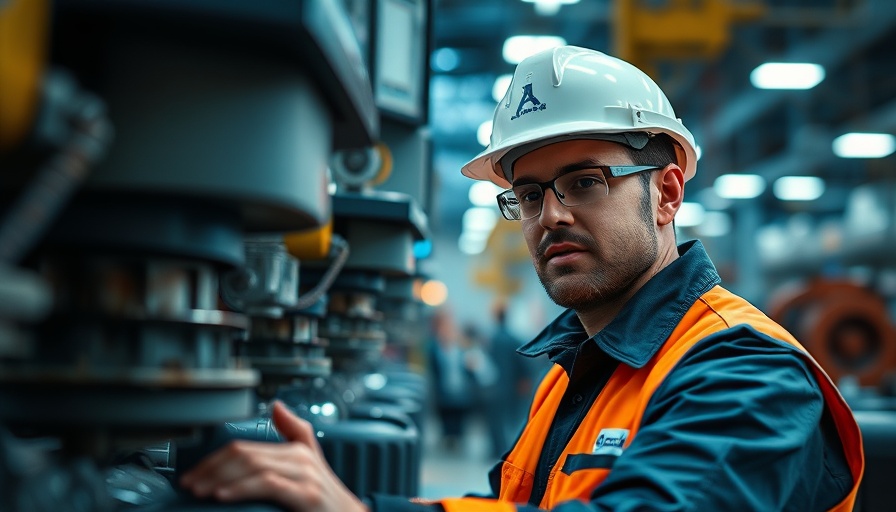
(576, 188)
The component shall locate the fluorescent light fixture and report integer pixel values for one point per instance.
(798, 188)
(472, 243)
(689, 214)
(484, 133)
(482, 193)
(773, 241)
(479, 219)
(502, 83)
(549, 7)
(478, 223)
(517, 48)
(739, 186)
(711, 201)
(714, 224)
(787, 75)
(445, 59)
(864, 145)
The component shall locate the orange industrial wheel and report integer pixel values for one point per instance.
(844, 326)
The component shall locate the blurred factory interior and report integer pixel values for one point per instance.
(208, 205)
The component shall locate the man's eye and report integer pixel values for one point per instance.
(531, 196)
(586, 182)
(528, 195)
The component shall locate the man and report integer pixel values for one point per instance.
(668, 392)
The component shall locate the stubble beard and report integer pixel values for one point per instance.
(586, 289)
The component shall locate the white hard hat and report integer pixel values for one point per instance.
(575, 93)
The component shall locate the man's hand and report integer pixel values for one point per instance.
(294, 474)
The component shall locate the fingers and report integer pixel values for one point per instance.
(270, 486)
(292, 474)
(293, 428)
(314, 492)
(244, 459)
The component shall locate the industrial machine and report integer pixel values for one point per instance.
(845, 326)
(164, 173)
(384, 225)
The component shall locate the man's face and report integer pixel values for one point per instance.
(588, 255)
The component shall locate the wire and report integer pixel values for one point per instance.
(339, 251)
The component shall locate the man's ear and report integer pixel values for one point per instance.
(671, 187)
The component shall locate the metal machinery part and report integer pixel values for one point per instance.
(225, 117)
(844, 326)
(353, 326)
(405, 325)
(378, 448)
(282, 343)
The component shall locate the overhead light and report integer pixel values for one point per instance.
(739, 186)
(502, 83)
(714, 224)
(478, 223)
(787, 75)
(445, 59)
(549, 7)
(479, 219)
(689, 214)
(773, 241)
(517, 48)
(483, 193)
(472, 243)
(711, 201)
(484, 133)
(864, 145)
(798, 188)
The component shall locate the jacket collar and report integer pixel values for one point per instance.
(644, 323)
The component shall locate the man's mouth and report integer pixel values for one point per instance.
(562, 250)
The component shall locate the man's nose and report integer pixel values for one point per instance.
(553, 212)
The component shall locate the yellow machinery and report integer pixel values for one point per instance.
(679, 29)
(23, 41)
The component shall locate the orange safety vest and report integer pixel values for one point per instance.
(622, 403)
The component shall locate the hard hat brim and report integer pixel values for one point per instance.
(487, 165)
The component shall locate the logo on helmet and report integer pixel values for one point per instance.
(528, 97)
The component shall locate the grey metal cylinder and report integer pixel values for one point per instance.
(198, 121)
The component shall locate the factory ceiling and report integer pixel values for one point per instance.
(702, 53)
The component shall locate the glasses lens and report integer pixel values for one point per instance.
(528, 198)
(582, 187)
(510, 207)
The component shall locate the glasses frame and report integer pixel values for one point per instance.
(509, 205)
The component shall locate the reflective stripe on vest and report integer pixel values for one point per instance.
(622, 402)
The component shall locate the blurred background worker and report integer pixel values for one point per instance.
(662, 379)
(454, 387)
(508, 405)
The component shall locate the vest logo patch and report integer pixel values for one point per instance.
(528, 97)
(610, 441)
